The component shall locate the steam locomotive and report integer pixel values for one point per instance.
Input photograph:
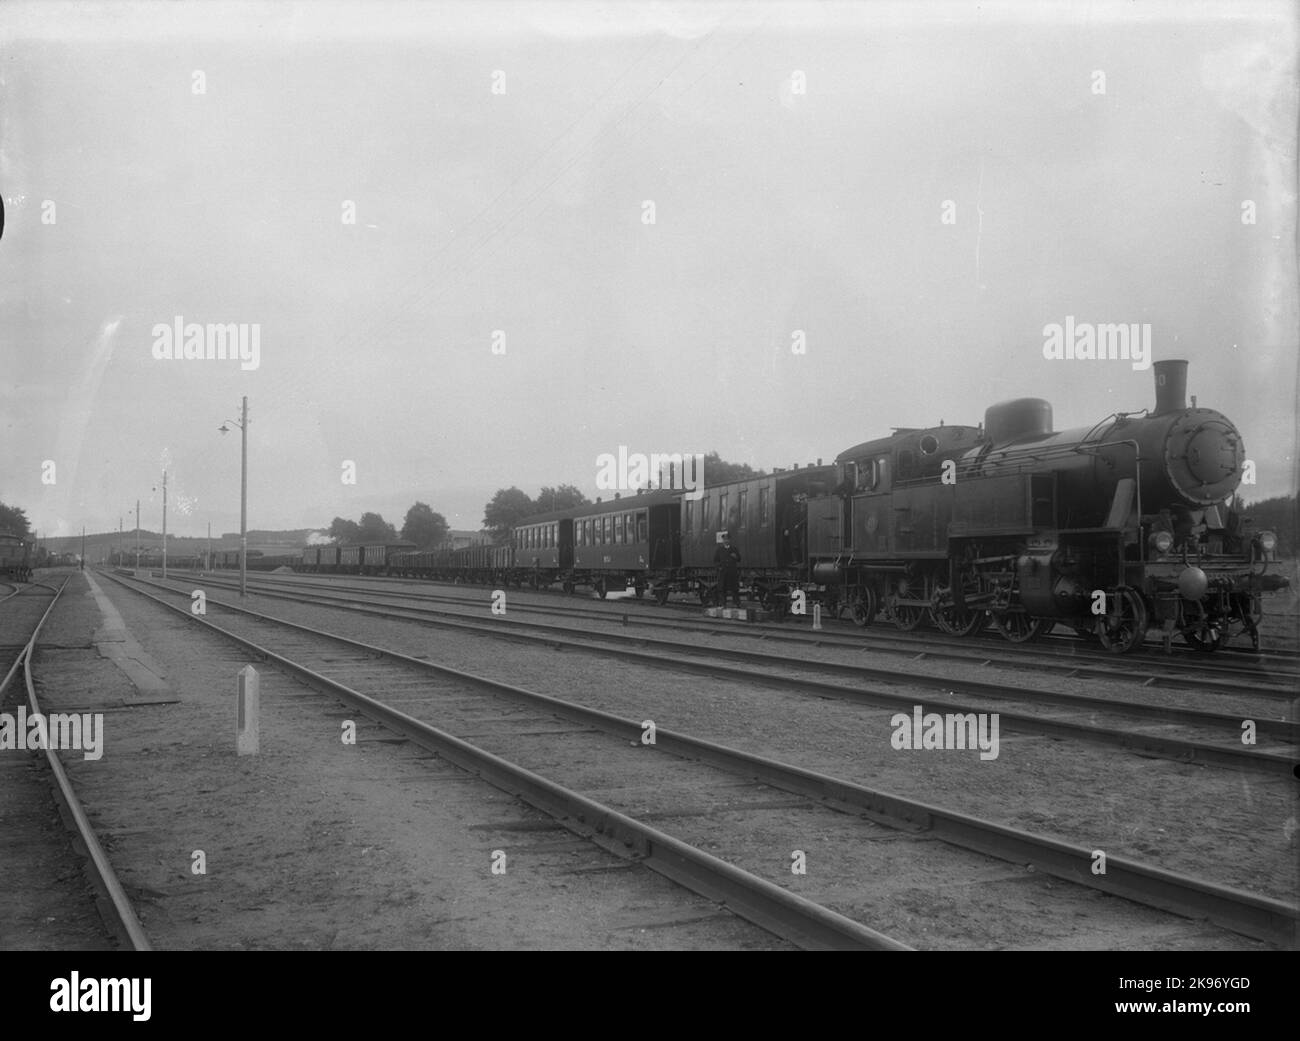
(1111, 529)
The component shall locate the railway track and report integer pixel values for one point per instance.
(782, 912)
(115, 908)
(1185, 670)
(596, 755)
(1223, 746)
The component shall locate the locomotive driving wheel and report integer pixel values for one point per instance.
(953, 621)
(1124, 626)
(958, 623)
(907, 616)
(1021, 628)
(865, 606)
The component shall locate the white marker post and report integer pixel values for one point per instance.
(246, 728)
(817, 616)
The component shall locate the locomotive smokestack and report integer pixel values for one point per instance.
(1171, 386)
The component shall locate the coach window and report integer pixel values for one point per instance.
(742, 499)
(642, 528)
(690, 517)
(608, 533)
(704, 513)
(722, 510)
(764, 507)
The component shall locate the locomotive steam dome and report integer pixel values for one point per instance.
(1022, 417)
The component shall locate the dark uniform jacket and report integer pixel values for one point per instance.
(728, 558)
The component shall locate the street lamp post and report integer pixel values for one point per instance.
(242, 423)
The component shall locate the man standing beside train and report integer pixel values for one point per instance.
(727, 557)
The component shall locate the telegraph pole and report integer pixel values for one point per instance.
(242, 423)
(164, 525)
(83, 547)
(207, 561)
(243, 501)
(137, 534)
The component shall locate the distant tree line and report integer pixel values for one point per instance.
(510, 506)
(13, 521)
(1280, 515)
(422, 526)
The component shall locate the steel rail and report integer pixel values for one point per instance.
(795, 918)
(1241, 911)
(126, 924)
(1199, 670)
(1179, 749)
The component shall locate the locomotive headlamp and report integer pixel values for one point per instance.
(1267, 541)
(1161, 541)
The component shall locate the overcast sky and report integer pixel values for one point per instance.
(1101, 162)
